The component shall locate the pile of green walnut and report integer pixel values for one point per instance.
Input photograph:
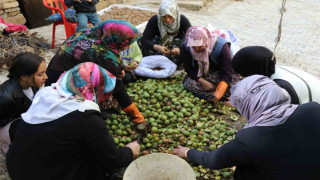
(176, 117)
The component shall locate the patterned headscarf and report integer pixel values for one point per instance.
(168, 7)
(87, 81)
(106, 39)
(200, 36)
(261, 101)
(79, 89)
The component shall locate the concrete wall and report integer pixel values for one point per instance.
(10, 12)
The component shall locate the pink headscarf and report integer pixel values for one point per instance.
(200, 36)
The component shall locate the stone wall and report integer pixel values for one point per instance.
(10, 12)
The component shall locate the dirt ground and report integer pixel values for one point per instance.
(134, 16)
(3, 168)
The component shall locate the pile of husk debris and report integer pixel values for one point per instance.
(12, 44)
(133, 16)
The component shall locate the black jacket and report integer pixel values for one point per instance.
(13, 102)
(76, 146)
(287, 151)
(152, 30)
(83, 7)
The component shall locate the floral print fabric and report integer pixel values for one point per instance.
(88, 81)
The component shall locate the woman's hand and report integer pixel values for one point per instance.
(181, 151)
(123, 73)
(135, 147)
(132, 66)
(175, 51)
(228, 103)
(207, 86)
(165, 51)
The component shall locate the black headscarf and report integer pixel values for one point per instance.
(254, 60)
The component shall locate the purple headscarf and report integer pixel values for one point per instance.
(261, 101)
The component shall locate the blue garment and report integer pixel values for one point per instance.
(83, 19)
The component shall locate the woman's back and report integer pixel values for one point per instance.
(75, 146)
(287, 151)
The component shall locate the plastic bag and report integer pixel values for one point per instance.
(156, 66)
(13, 27)
(2, 27)
(228, 36)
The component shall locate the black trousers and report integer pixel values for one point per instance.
(119, 92)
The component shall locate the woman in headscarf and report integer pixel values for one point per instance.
(302, 86)
(279, 141)
(101, 45)
(165, 32)
(62, 135)
(207, 61)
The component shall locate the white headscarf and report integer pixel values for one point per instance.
(261, 101)
(169, 7)
(51, 103)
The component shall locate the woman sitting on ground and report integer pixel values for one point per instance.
(207, 61)
(101, 45)
(165, 32)
(302, 86)
(62, 135)
(279, 141)
(27, 74)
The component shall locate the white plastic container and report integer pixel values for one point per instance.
(159, 166)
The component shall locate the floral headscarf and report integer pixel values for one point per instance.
(261, 101)
(87, 81)
(200, 36)
(79, 89)
(117, 34)
(105, 41)
(168, 7)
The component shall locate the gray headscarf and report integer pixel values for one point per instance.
(168, 7)
(261, 101)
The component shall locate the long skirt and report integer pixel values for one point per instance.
(213, 77)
